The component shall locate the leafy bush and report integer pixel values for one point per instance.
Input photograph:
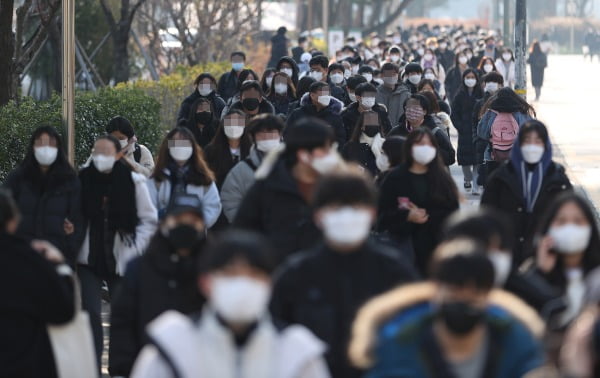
(92, 113)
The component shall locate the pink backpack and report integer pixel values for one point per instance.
(504, 131)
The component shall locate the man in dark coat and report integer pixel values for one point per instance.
(228, 82)
(162, 279)
(277, 205)
(217, 102)
(279, 46)
(323, 288)
(364, 92)
(300, 49)
(252, 100)
(319, 70)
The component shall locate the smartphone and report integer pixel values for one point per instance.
(403, 203)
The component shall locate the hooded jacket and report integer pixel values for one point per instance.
(393, 337)
(462, 119)
(295, 69)
(228, 85)
(351, 113)
(393, 100)
(186, 105)
(265, 106)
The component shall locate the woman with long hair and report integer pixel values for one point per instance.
(205, 87)
(364, 147)
(202, 121)
(538, 62)
(282, 93)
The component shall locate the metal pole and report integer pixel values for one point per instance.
(326, 21)
(521, 48)
(149, 63)
(81, 62)
(507, 32)
(68, 75)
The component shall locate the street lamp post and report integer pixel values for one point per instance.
(521, 48)
(68, 75)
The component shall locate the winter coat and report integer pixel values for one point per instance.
(275, 208)
(338, 92)
(538, 63)
(297, 53)
(393, 100)
(479, 145)
(446, 58)
(238, 181)
(507, 70)
(206, 134)
(228, 85)
(361, 154)
(578, 356)
(453, 82)
(124, 248)
(322, 290)
(393, 336)
(43, 213)
(205, 348)
(160, 195)
(504, 193)
(35, 294)
(484, 129)
(264, 107)
(394, 221)
(351, 113)
(279, 49)
(216, 100)
(154, 283)
(462, 119)
(330, 114)
(281, 104)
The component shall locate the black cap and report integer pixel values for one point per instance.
(183, 203)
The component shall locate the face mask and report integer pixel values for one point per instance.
(183, 236)
(352, 96)
(281, 88)
(233, 132)
(103, 163)
(239, 300)
(532, 153)
(488, 67)
(250, 104)
(368, 76)
(395, 58)
(570, 238)
(123, 143)
(237, 66)
(347, 73)
(443, 46)
(324, 100)
(414, 79)
(491, 87)
(462, 60)
(346, 226)
(470, 83)
(429, 76)
(368, 102)
(459, 317)
(203, 117)
(382, 162)
(204, 89)
(378, 81)
(428, 57)
(337, 78)
(423, 154)
(390, 80)
(420, 52)
(490, 46)
(506, 56)
(181, 153)
(317, 75)
(469, 56)
(414, 114)
(326, 164)
(269, 81)
(267, 145)
(502, 263)
(371, 131)
(45, 155)
(287, 71)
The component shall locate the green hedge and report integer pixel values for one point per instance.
(92, 112)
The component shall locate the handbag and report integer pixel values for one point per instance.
(73, 344)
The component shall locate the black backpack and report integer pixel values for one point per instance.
(137, 153)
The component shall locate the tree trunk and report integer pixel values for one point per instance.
(55, 40)
(7, 47)
(121, 55)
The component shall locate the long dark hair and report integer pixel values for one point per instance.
(359, 124)
(477, 91)
(191, 120)
(441, 185)
(507, 101)
(220, 143)
(199, 175)
(263, 79)
(59, 171)
(291, 92)
(243, 76)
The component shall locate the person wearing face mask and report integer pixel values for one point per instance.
(506, 67)
(454, 78)
(319, 103)
(323, 287)
(250, 98)
(462, 119)
(524, 186)
(48, 194)
(228, 83)
(416, 197)
(538, 61)
(364, 147)
(234, 335)
(206, 87)
(120, 218)
(266, 80)
(303, 88)
(366, 71)
(202, 122)
(454, 325)
(320, 72)
(282, 94)
(336, 78)
(392, 94)
(366, 95)
(431, 75)
(164, 278)
(265, 131)
(277, 205)
(391, 157)
(429, 60)
(352, 82)
(394, 55)
(288, 66)
(486, 65)
(300, 49)
(279, 46)
(412, 75)
(444, 54)
(490, 50)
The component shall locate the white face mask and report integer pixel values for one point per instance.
(491, 87)
(423, 154)
(390, 80)
(395, 58)
(204, 89)
(429, 76)
(317, 75)
(470, 83)
(443, 46)
(238, 66)
(506, 56)
(428, 57)
(346, 226)
(502, 262)
(368, 76)
(324, 100)
(327, 163)
(420, 51)
(382, 162)
(414, 79)
(469, 56)
(281, 88)
(347, 73)
(103, 163)
(233, 132)
(337, 78)
(488, 67)
(570, 238)
(181, 153)
(368, 102)
(45, 155)
(267, 145)
(123, 143)
(269, 81)
(462, 60)
(352, 96)
(532, 153)
(239, 300)
(287, 71)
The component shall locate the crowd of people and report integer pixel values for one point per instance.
(303, 223)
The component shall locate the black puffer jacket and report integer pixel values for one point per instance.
(330, 114)
(44, 205)
(462, 119)
(216, 100)
(351, 113)
(228, 85)
(361, 153)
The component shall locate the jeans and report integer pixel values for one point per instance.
(470, 173)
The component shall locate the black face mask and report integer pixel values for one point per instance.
(460, 317)
(184, 236)
(371, 130)
(250, 103)
(203, 117)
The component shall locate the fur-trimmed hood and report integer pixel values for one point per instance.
(381, 309)
(335, 105)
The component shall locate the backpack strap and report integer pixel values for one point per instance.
(137, 153)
